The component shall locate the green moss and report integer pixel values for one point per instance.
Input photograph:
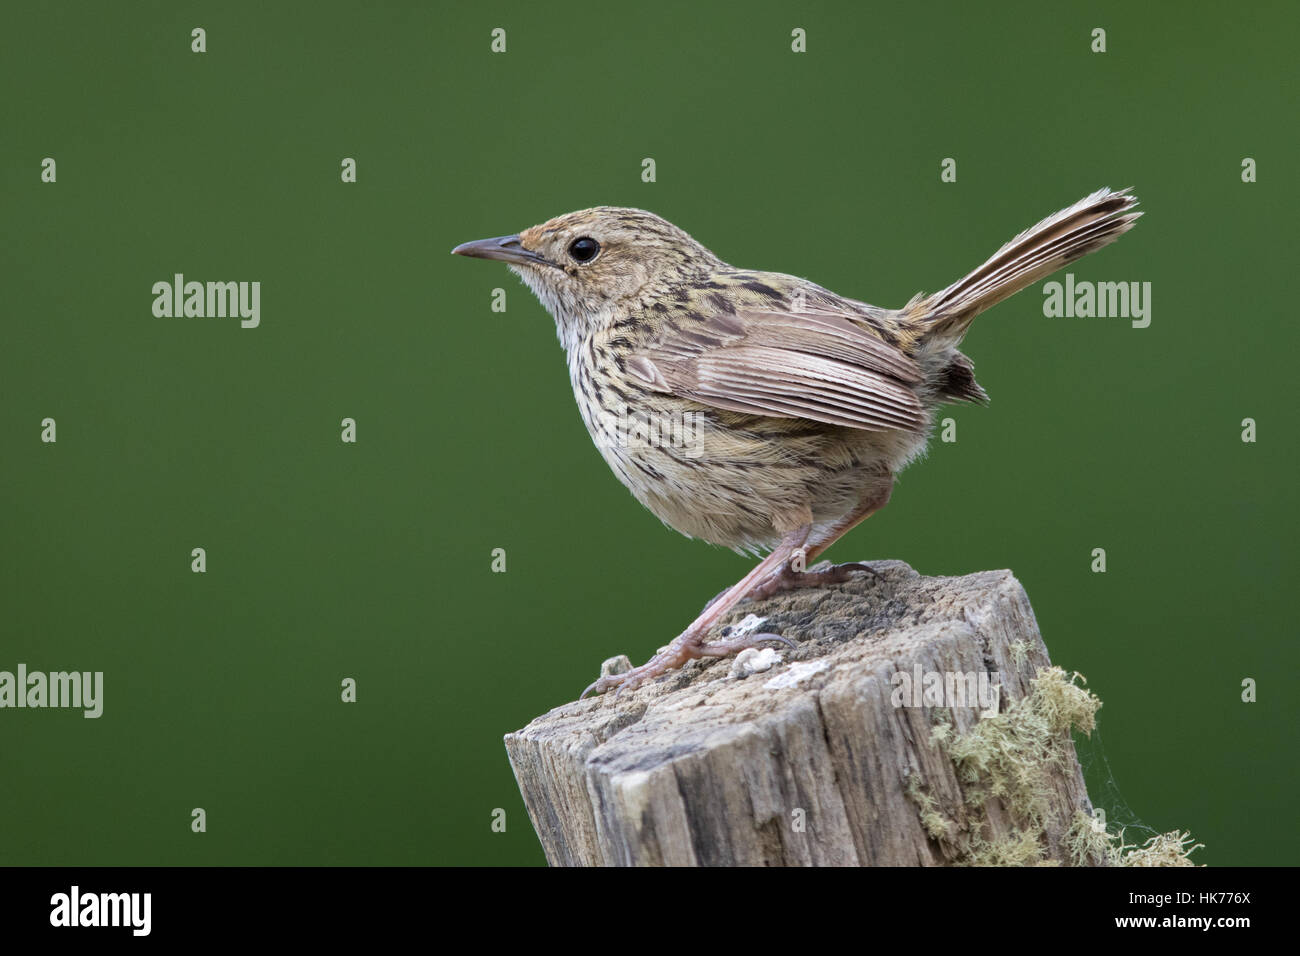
(1016, 756)
(935, 823)
(1019, 653)
(1088, 839)
(1168, 849)
(1020, 848)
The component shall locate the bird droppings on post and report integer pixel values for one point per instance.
(618, 664)
(795, 675)
(753, 660)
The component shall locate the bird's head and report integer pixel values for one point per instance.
(588, 266)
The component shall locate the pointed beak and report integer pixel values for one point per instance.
(504, 248)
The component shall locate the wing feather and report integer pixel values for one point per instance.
(818, 366)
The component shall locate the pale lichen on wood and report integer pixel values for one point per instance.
(828, 756)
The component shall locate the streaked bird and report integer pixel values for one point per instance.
(771, 414)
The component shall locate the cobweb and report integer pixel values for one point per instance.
(1103, 790)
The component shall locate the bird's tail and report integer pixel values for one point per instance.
(1058, 240)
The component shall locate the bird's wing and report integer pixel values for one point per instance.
(781, 364)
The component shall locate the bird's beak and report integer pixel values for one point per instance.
(504, 248)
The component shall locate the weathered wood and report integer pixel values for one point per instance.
(816, 761)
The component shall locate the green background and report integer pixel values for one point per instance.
(372, 560)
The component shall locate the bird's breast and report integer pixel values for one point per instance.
(713, 474)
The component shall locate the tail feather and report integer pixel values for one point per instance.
(1058, 240)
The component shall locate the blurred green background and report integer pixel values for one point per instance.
(372, 561)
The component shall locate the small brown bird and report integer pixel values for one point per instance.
(757, 410)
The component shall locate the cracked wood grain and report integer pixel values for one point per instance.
(809, 762)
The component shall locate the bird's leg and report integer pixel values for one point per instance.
(690, 643)
(792, 574)
(788, 579)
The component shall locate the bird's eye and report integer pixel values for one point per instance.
(584, 249)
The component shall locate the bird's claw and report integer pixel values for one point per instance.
(787, 579)
(673, 657)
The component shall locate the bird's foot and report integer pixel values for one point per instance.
(787, 579)
(687, 647)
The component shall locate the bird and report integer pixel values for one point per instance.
(758, 410)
